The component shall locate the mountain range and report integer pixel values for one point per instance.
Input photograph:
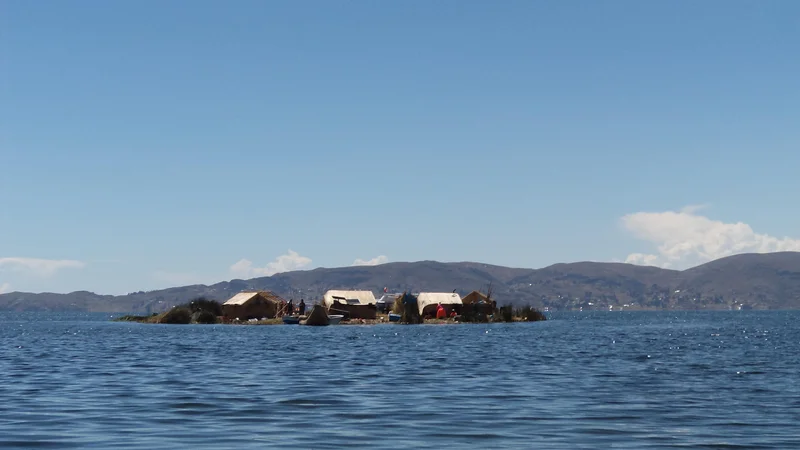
(746, 281)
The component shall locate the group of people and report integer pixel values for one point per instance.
(289, 308)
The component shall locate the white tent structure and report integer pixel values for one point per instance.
(352, 304)
(348, 298)
(425, 299)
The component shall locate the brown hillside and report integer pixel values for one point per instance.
(761, 281)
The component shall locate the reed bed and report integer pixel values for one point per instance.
(200, 310)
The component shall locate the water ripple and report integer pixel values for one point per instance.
(627, 380)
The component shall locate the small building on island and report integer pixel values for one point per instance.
(428, 302)
(252, 305)
(351, 304)
(479, 302)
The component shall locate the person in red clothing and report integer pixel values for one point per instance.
(440, 312)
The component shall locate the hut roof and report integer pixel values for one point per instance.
(474, 297)
(244, 297)
(431, 298)
(269, 295)
(349, 297)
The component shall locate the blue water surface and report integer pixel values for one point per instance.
(579, 380)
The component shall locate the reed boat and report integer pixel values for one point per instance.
(317, 317)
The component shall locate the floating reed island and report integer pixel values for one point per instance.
(345, 308)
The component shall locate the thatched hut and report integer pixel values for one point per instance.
(351, 304)
(252, 305)
(479, 302)
(427, 302)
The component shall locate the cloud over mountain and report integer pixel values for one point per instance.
(382, 259)
(684, 238)
(292, 260)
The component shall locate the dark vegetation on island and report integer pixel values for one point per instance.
(200, 310)
(749, 281)
(410, 314)
(507, 313)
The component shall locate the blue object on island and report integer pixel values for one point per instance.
(394, 317)
(291, 320)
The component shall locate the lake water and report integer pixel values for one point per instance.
(583, 380)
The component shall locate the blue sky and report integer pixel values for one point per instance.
(149, 144)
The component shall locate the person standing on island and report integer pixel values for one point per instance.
(289, 308)
(441, 313)
(301, 308)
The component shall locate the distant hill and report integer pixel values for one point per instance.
(757, 281)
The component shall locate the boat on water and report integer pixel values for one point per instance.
(291, 320)
(334, 319)
(394, 317)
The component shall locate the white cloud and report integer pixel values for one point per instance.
(684, 238)
(382, 259)
(5, 287)
(643, 259)
(290, 261)
(40, 267)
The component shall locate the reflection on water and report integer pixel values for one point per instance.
(583, 380)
